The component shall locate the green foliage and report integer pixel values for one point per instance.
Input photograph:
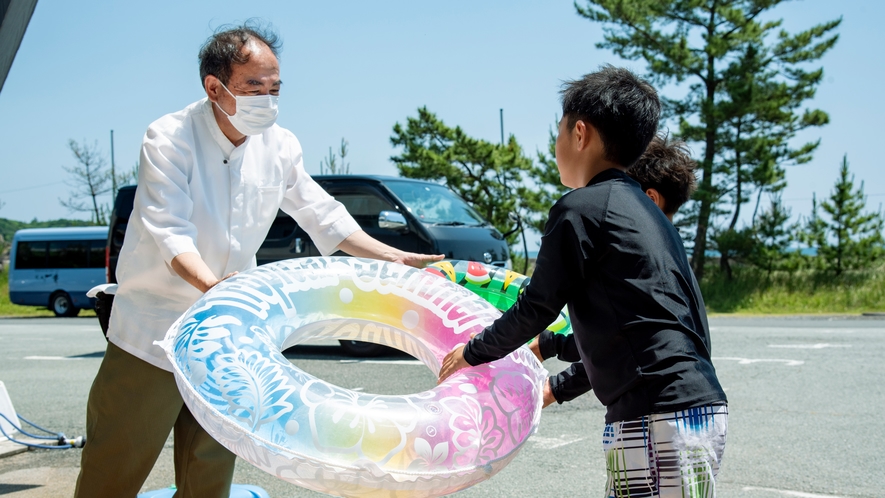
(331, 166)
(850, 238)
(733, 245)
(755, 291)
(774, 235)
(747, 83)
(488, 176)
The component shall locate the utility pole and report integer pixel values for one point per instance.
(113, 171)
(502, 126)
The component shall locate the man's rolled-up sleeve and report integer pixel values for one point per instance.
(323, 218)
(163, 197)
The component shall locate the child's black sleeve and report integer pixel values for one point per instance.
(559, 259)
(562, 346)
(570, 383)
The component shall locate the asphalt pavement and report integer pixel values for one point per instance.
(803, 394)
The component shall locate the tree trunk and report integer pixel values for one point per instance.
(737, 176)
(725, 265)
(756, 209)
(699, 255)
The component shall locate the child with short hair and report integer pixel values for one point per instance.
(612, 256)
(666, 173)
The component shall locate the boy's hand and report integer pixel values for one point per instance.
(548, 394)
(453, 362)
(535, 347)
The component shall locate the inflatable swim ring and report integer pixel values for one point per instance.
(499, 286)
(226, 357)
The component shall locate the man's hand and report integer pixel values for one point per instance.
(453, 362)
(417, 260)
(191, 267)
(362, 245)
(548, 394)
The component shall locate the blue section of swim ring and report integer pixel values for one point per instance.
(236, 491)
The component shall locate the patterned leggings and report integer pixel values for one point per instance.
(666, 454)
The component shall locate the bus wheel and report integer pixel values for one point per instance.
(60, 303)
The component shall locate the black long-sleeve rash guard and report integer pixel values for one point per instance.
(636, 310)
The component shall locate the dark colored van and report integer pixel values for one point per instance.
(411, 215)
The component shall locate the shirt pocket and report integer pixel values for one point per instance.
(267, 203)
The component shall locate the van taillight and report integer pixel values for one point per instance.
(107, 264)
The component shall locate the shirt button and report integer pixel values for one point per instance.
(225, 161)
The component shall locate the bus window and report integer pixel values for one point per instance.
(30, 255)
(68, 254)
(96, 253)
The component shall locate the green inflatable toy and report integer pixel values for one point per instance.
(499, 286)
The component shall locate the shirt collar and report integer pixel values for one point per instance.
(227, 148)
(609, 174)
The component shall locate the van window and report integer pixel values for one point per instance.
(363, 204)
(435, 204)
(30, 255)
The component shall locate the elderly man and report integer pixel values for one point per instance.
(211, 180)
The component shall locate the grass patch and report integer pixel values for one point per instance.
(7, 308)
(753, 291)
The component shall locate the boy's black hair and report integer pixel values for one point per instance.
(623, 108)
(224, 49)
(667, 167)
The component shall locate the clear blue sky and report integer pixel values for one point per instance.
(353, 69)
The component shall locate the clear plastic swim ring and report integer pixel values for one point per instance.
(227, 360)
(499, 286)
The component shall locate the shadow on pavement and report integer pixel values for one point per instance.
(97, 354)
(14, 488)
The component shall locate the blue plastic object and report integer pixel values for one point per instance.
(236, 491)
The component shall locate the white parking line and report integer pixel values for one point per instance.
(787, 492)
(821, 345)
(749, 361)
(550, 443)
(51, 358)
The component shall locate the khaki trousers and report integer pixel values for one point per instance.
(132, 407)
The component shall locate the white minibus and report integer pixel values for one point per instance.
(54, 267)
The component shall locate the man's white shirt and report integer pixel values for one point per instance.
(198, 193)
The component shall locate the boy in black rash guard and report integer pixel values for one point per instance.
(665, 173)
(613, 257)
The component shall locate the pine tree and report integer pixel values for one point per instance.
(851, 238)
(331, 166)
(490, 177)
(733, 245)
(747, 81)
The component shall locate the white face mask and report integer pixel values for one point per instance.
(254, 114)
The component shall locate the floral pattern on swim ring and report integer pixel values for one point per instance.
(227, 360)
